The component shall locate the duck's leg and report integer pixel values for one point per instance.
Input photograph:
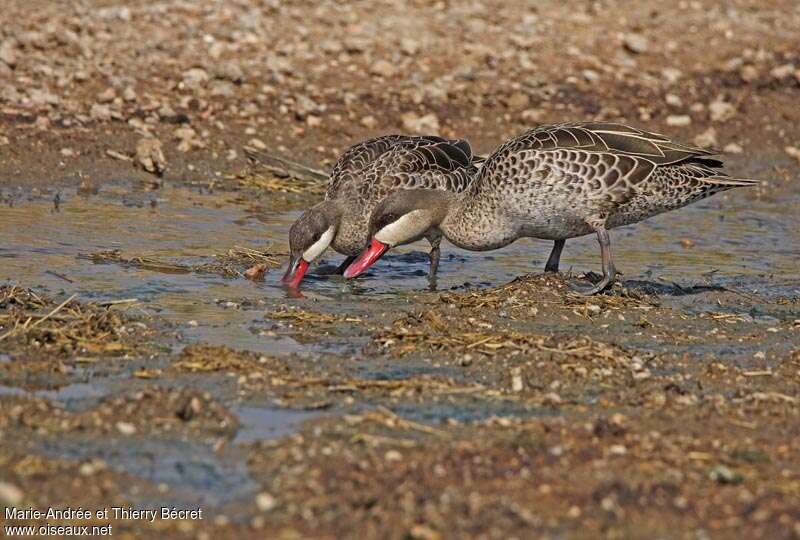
(434, 255)
(608, 264)
(329, 270)
(342, 267)
(555, 257)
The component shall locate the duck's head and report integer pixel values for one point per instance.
(401, 218)
(309, 237)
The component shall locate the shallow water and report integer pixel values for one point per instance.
(737, 239)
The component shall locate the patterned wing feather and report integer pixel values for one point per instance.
(354, 162)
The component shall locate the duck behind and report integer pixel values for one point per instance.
(364, 175)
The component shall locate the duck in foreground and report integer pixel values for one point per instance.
(364, 175)
(554, 182)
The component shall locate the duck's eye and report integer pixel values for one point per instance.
(387, 219)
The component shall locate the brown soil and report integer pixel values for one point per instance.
(521, 411)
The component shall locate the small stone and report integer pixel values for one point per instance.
(721, 111)
(107, 96)
(256, 273)
(518, 101)
(590, 75)
(150, 156)
(427, 124)
(687, 243)
(423, 532)
(574, 512)
(782, 72)
(552, 398)
(304, 105)
(635, 43)
(129, 94)
(673, 100)
(706, 139)
(4, 140)
(532, 115)
(393, 455)
(265, 502)
(258, 144)
(8, 54)
(67, 152)
(117, 155)
(126, 428)
(733, 148)
(793, 151)
(195, 78)
(190, 409)
(409, 46)
(617, 450)
(383, 68)
(671, 75)
(100, 112)
(723, 475)
(748, 73)
(517, 384)
(10, 495)
(229, 71)
(679, 120)
(369, 121)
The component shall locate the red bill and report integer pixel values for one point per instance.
(294, 274)
(367, 258)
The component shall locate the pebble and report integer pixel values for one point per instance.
(706, 139)
(195, 78)
(679, 120)
(590, 75)
(369, 121)
(782, 72)
(107, 96)
(258, 144)
(10, 495)
(671, 75)
(673, 100)
(793, 151)
(8, 53)
(517, 384)
(409, 46)
(383, 68)
(635, 43)
(150, 156)
(129, 94)
(67, 152)
(393, 455)
(721, 111)
(265, 502)
(733, 148)
(518, 101)
(748, 73)
(126, 428)
(427, 124)
(100, 112)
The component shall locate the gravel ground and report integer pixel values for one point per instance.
(519, 410)
(85, 83)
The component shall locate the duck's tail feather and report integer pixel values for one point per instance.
(728, 181)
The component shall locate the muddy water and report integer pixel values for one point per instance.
(731, 238)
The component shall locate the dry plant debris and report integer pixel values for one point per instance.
(232, 264)
(66, 327)
(304, 318)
